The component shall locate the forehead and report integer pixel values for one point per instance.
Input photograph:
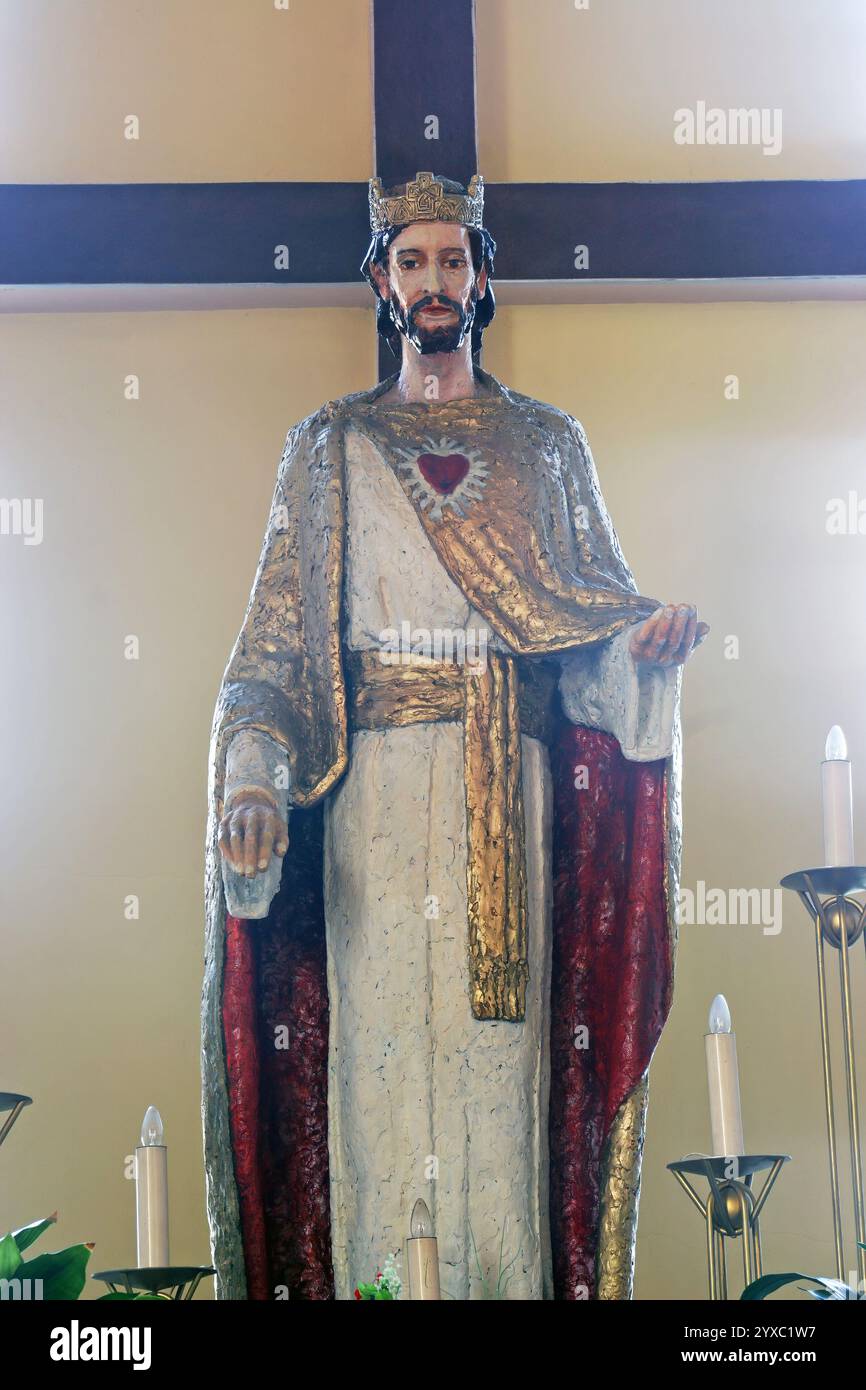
(431, 237)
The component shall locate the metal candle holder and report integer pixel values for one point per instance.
(182, 1279)
(14, 1103)
(838, 919)
(732, 1208)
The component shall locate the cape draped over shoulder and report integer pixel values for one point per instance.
(537, 557)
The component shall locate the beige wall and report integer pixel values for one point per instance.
(723, 503)
(235, 89)
(154, 512)
(223, 90)
(568, 94)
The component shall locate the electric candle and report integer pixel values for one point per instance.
(838, 801)
(422, 1255)
(723, 1081)
(151, 1193)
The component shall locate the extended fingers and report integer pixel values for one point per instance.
(254, 824)
(676, 634)
(644, 636)
(223, 839)
(681, 636)
(249, 835)
(687, 640)
(668, 636)
(266, 843)
(650, 642)
(236, 841)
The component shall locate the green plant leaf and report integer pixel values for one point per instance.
(63, 1272)
(10, 1257)
(833, 1288)
(769, 1283)
(25, 1235)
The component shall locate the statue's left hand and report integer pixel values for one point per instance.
(669, 636)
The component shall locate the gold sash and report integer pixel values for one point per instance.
(494, 704)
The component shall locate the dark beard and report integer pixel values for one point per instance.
(449, 337)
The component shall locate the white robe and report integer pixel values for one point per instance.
(424, 1100)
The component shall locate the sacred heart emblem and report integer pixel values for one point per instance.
(443, 475)
(444, 472)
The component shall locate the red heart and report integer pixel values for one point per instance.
(444, 472)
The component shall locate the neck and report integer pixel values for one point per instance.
(436, 376)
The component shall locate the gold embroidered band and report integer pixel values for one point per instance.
(493, 702)
(496, 858)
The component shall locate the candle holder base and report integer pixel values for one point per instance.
(732, 1208)
(826, 895)
(838, 919)
(174, 1282)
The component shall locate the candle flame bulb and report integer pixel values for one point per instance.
(720, 1015)
(151, 1193)
(723, 1082)
(836, 747)
(421, 1223)
(152, 1132)
(837, 801)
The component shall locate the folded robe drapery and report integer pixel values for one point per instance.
(544, 583)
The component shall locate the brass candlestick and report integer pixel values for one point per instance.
(731, 1210)
(838, 919)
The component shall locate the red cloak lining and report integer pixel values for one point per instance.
(612, 974)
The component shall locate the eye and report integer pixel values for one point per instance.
(408, 264)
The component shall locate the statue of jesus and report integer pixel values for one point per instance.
(443, 840)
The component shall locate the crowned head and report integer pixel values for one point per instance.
(430, 262)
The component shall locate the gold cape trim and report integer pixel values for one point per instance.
(285, 677)
(534, 553)
(621, 1169)
(496, 840)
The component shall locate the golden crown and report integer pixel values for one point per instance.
(424, 199)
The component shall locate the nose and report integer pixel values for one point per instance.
(435, 278)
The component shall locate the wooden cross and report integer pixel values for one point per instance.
(156, 245)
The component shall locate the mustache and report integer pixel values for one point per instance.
(438, 301)
(441, 338)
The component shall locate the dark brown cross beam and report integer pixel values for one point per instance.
(206, 244)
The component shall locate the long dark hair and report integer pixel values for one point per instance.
(483, 249)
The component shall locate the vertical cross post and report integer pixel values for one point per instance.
(423, 96)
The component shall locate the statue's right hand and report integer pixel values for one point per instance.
(249, 832)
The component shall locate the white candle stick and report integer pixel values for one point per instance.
(422, 1255)
(838, 801)
(723, 1082)
(151, 1193)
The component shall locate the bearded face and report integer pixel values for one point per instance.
(431, 285)
(443, 328)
